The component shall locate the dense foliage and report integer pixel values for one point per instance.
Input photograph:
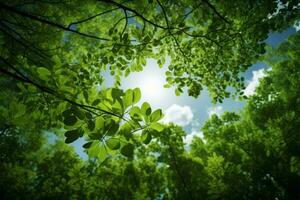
(254, 155)
(52, 57)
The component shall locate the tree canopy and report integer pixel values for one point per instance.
(53, 55)
(251, 155)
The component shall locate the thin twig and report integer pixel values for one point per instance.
(169, 30)
(136, 13)
(45, 21)
(215, 11)
(19, 76)
(91, 17)
(126, 23)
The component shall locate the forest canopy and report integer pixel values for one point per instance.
(53, 55)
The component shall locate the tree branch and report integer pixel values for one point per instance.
(30, 46)
(215, 11)
(136, 13)
(91, 17)
(126, 23)
(19, 76)
(169, 30)
(201, 36)
(41, 20)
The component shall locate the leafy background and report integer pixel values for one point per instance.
(75, 73)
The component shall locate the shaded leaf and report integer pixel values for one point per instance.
(112, 128)
(146, 137)
(72, 135)
(87, 145)
(96, 102)
(127, 150)
(70, 121)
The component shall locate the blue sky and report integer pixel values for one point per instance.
(184, 110)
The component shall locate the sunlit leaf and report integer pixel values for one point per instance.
(99, 123)
(136, 113)
(157, 126)
(44, 73)
(156, 115)
(113, 143)
(146, 109)
(136, 95)
(128, 98)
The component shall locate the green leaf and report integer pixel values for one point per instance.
(112, 128)
(136, 95)
(94, 149)
(125, 130)
(97, 135)
(105, 105)
(99, 123)
(146, 137)
(88, 115)
(91, 125)
(127, 150)
(113, 143)
(69, 140)
(44, 73)
(87, 145)
(67, 113)
(177, 92)
(156, 115)
(96, 102)
(127, 72)
(146, 109)
(72, 135)
(135, 113)
(78, 113)
(102, 154)
(118, 106)
(70, 121)
(116, 93)
(157, 126)
(128, 98)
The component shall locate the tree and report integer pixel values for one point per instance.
(56, 50)
(52, 56)
(259, 149)
(251, 155)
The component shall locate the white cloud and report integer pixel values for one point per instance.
(189, 137)
(254, 82)
(180, 115)
(218, 110)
